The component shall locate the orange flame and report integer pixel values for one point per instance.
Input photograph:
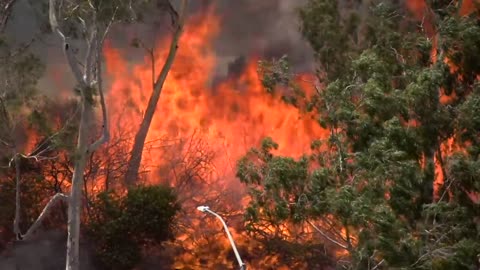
(232, 118)
(422, 13)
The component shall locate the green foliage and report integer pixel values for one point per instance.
(20, 105)
(20, 72)
(281, 178)
(324, 28)
(276, 78)
(469, 118)
(461, 43)
(78, 14)
(274, 73)
(391, 112)
(120, 226)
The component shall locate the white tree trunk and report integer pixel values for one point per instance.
(75, 202)
(86, 81)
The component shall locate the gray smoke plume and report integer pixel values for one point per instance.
(267, 29)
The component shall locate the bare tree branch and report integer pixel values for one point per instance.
(327, 237)
(66, 46)
(378, 264)
(105, 128)
(83, 149)
(57, 197)
(6, 7)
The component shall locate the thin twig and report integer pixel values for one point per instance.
(327, 237)
(378, 264)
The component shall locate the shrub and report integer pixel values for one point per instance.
(120, 226)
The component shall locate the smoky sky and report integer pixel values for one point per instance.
(266, 28)
(262, 28)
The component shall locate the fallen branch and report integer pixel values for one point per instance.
(57, 197)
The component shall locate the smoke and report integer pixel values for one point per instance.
(47, 252)
(266, 29)
(248, 28)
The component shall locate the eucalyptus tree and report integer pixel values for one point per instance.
(400, 101)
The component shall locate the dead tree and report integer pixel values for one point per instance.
(157, 85)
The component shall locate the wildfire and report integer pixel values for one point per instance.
(232, 117)
(228, 119)
(419, 7)
(33, 138)
(420, 10)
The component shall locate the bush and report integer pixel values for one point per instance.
(119, 226)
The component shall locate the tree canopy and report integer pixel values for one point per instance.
(396, 182)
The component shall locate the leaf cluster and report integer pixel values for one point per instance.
(120, 226)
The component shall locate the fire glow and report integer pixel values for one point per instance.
(233, 117)
(229, 119)
(422, 13)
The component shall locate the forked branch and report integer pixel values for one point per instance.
(66, 46)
